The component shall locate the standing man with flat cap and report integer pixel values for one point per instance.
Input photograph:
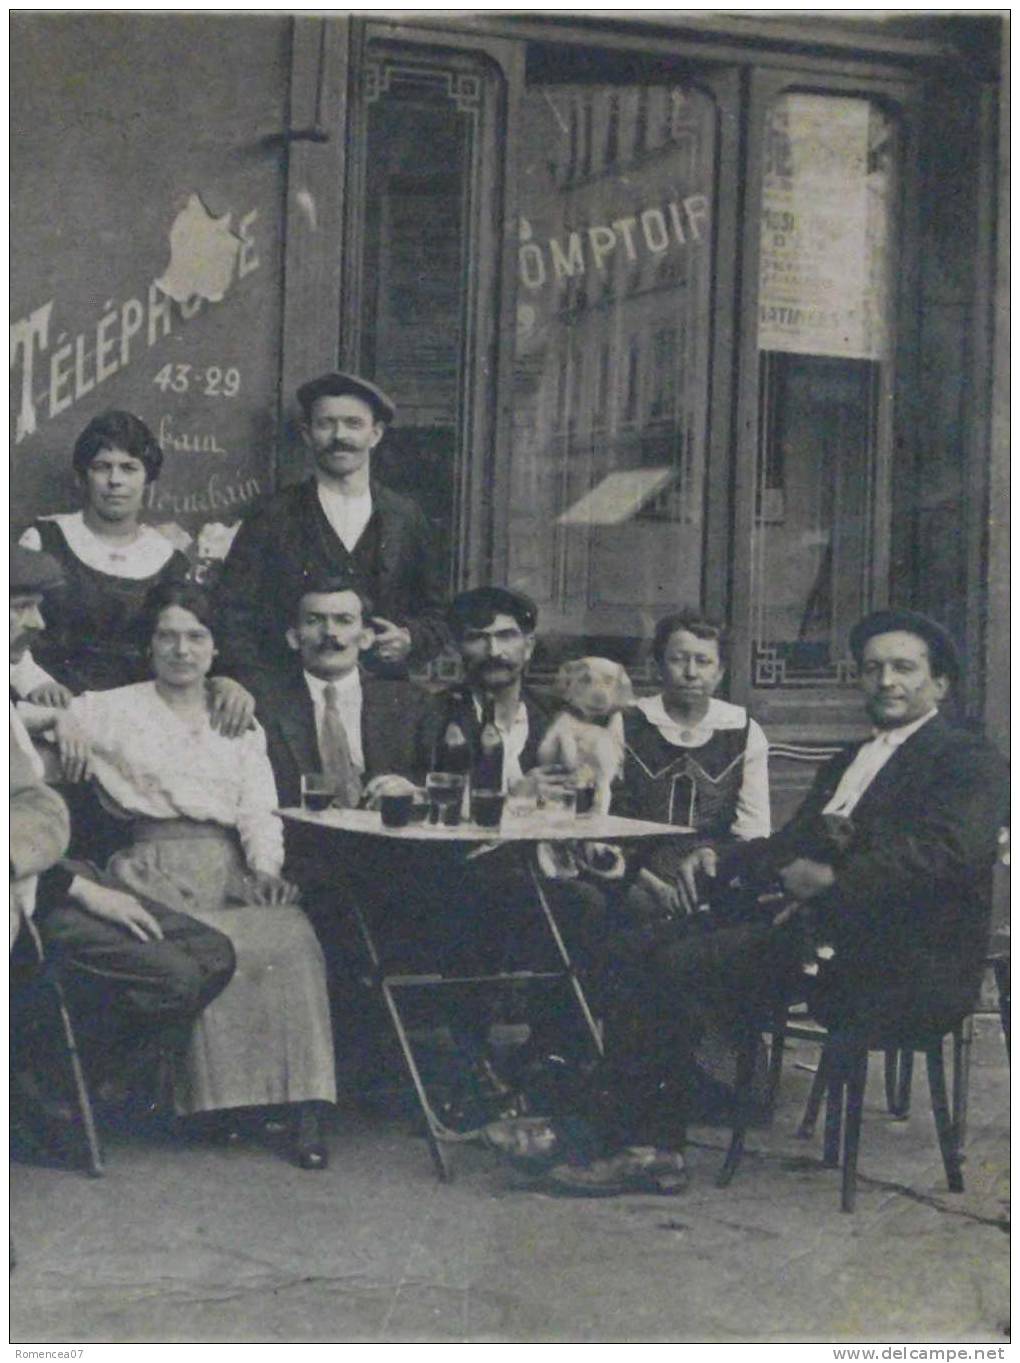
(341, 522)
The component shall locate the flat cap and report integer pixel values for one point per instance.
(478, 607)
(337, 384)
(33, 571)
(942, 651)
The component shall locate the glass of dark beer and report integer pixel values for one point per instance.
(487, 807)
(317, 790)
(396, 809)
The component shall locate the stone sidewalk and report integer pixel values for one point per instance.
(185, 1244)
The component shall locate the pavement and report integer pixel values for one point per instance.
(187, 1243)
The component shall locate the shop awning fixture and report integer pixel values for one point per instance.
(618, 498)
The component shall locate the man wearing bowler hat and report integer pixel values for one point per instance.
(340, 521)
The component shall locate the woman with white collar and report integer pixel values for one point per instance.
(110, 562)
(691, 759)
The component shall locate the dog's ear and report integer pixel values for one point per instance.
(569, 675)
(624, 690)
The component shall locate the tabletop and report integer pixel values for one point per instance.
(533, 827)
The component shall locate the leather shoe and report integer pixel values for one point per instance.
(309, 1150)
(314, 1156)
(639, 1169)
(528, 1141)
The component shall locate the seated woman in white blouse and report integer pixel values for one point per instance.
(205, 841)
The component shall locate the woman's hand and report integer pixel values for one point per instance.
(231, 707)
(52, 695)
(73, 746)
(116, 906)
(267, 889)
(703, 861)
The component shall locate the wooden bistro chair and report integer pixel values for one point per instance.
(49, 992)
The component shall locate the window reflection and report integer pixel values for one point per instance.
(610, 384)
(824, 339)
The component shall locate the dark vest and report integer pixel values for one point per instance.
(697, 787)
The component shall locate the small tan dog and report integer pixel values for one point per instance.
(589, 732)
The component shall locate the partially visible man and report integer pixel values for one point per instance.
(902, 893)
(340, 521)
(135, 975)
(494, 631)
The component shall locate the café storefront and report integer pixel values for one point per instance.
(674, 308)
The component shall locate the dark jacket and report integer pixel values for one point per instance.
(285, 710)
(910, 907)
(289, 541)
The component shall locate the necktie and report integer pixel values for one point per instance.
(336, 753)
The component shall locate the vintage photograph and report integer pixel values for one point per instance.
(509, 665)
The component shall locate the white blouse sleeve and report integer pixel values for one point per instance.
(754, 818)
(260, 830)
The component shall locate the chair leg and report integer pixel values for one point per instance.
(901, 1110)
(892, 1058)
(856, 1079)
(818, 1085)
(1000, 967)
(742, 1097)
(963, 1038)
(835, 1078)
(775, 1074)
(93, 1154)
(943, 1118)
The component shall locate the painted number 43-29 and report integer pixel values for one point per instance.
(213, 382)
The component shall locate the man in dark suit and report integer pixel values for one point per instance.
(340, 521)
(892, 852)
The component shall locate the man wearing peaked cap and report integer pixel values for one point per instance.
(342, 521)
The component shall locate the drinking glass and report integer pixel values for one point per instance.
(396, 809)
(487, 807)
(317, 790)
(446, 795)
(557, 799)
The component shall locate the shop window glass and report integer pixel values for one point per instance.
(421, 270)
(609, 408)
(824, 343)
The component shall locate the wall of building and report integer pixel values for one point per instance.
(146, 232)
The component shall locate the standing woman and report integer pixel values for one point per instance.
(205, 841)
(109, 559)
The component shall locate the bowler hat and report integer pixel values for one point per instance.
(33, 571)
(337, 384)
(942, 652)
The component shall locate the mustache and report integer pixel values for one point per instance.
(342, 446)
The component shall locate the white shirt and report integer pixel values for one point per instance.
(514, 740)
(26, 674)
(753, 816)
(140, 557)
(347, 515)
(871, 757)
(348, 702)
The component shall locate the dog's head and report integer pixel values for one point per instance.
(594, 688)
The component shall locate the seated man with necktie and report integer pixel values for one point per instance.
(324, 714)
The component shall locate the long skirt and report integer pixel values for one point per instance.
(266, 1039)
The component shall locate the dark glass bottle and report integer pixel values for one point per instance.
(487, 769)
(454, 753)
